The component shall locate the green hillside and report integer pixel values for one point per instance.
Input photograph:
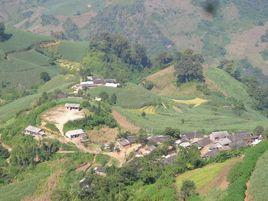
(258, 182)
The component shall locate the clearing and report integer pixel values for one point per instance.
(209, 177)
(104, 135)
(60, 115)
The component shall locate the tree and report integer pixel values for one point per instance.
(104, 96)
(2, 28)
(45, 76)
(189, 67)
(172, 132)
(258, 130)
(188, 189)
(113, 99)
(148, 85)
(143, 114)
(238, 107)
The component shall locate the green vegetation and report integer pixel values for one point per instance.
(114, 56)
(258, 181)
(100, 116)
(73, 51)
(189, 67)
(240, 173)
(204, 176)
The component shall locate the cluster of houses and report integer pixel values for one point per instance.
(216, 142)
(209, 145)
(93, 81)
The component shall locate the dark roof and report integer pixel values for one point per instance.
(110, 80)
(100, 169)
(212, 153)
(203, 142)
(158, 138)
(242, 136)
(169, 159)
(132, 139)
(123, 142)
(192, 135)
(238, 144)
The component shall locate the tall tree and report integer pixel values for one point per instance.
(189, 67)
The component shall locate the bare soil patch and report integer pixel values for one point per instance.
(104, 135)
(60, 115)
(124, 123)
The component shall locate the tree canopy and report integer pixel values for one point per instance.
(189, 67)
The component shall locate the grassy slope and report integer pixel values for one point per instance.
(210, 116)
(22, 69)
(21, 39)
(59, 82)
(27, 183)
(132, 96)
(73, 51)
(211, 180)
(258, 181)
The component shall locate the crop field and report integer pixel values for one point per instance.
(147, 109)
(195, 102)
(204, 117)
(258, 190)
(208, 177)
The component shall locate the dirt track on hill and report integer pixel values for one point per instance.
(124, 123)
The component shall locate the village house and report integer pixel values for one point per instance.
(170, 158)
(34, 131)
(216, 136)
(72, 106)
(75, 133)
(158, 139)
(95, 82)
(192, 137)
(203, 142)
(122, 143)
(99, 170)
(143, 151)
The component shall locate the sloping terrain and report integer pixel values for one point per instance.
(210, 177)
(235, 31)
(258, 182)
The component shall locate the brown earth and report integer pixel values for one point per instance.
(104, 135)
(124, 123)
(60, 115)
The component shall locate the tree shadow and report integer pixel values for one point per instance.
(4, 37)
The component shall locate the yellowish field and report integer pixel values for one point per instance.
(148, 109)
(69, 65)
(195, 102)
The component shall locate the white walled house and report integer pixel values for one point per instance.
(75, 134)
